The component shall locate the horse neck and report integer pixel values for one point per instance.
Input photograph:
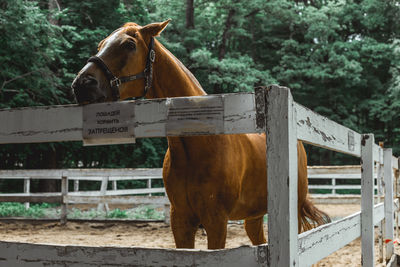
(171, 78)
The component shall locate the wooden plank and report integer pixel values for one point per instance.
(126, 178)
(342, 169)
(282, 170)
(23, 254)
(378, 153)
(123, 172)
(33, 198)
(395, 163)
(393, 262)
(336, 187)
(41, 124)
(119, 192)
(367, 200)
(99, 172)
(379, 213)
(151, 116)
(315, 129)
(389, 209)
(198, 115)
(337, 176)
(322, 241)
(116, 200)
(243, 121)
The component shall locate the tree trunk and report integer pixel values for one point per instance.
(225, 34)
(54, 5)
(49, 161)
(49, 157)
(189, 14)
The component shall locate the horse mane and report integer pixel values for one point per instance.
(129, 24)
(183, 68)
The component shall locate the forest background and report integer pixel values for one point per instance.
(340, 58)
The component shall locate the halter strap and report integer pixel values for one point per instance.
(115, 82)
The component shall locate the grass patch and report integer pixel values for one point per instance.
(12, 209)
(52, 211)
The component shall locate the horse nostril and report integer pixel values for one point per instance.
(89, 81)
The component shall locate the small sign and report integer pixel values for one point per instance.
(195, 116)
(108, 123)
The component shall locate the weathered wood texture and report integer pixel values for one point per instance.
(389, 208)
(154, 200)
(282, 165)
(22, 254)
(43, 124)
(76, 174)
(367, 201)
(315, 129)
(320, 242)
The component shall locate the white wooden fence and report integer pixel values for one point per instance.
(102, 197)
(343, 174)
(269, 110)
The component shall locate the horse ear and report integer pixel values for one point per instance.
(154, 29)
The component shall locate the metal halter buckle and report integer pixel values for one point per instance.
(152, 55)
(115, 82)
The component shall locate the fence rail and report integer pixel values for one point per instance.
(271, 110)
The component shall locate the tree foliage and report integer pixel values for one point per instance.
(341, 58)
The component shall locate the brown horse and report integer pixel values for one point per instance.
(209, 179)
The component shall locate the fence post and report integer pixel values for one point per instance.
(64, 192)
(76, 185)
(397, 174)
(149, 185)
(103, 189)
(282, 177)
(27, 190)
(389, 227)
(367, 200)
(167, 213)
(333, 186)
(380, 185)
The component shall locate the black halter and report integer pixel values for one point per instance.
(115, 82)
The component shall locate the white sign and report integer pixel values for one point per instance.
(197, 115)
(108, 123)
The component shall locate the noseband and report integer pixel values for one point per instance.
(115, 82)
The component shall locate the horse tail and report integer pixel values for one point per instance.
(311, 216)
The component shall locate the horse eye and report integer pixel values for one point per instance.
(130, 45)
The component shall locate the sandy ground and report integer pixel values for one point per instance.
(155, 235)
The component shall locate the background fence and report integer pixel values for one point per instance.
(327, 184)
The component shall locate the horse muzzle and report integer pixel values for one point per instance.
(86, 90)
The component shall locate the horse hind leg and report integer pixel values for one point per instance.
(255, 230)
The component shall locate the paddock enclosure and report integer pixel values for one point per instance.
(269, 110)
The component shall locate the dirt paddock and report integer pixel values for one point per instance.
(155, 235)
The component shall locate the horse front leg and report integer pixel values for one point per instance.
(216, 232)
(255, 230)
(184, 228)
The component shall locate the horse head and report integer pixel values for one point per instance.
(122, 67)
